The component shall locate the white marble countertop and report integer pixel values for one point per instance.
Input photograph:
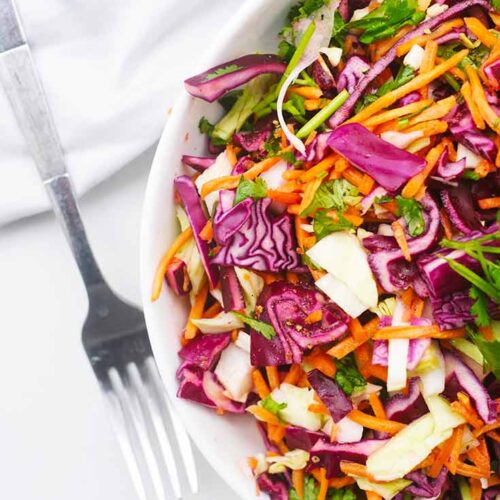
(55, 435)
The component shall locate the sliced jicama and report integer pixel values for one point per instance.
(223, 322)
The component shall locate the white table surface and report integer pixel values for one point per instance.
(56, 441)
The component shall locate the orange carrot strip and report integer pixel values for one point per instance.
(298, 482)
(480, 456)
(292, 277)
(341, 482)
(283, 197)
(263, 415)
(212, 311)
(422, 39)
(166, 261)
(273, 377)
(481, 32)
(290, 175)
(345, 347)
(391, 97)
(471, 418)
(399, 234)
(260, 384)
(356, 329)
(318, 408)
(371, 495)
(207, 233)
(457, 435)
(375, 423)
(487, 203)
(354, 469)
(417, 307)
(476, 490)
(306, 92)
(383, 46)
(231, 181)
(489, 115)
(358, 179)
(323, 166)
(275, 433)
(293, 375)
(377, 406)
(196, 312)
(428, 62)
(415, 183)
(323, 485)
(470, 471)
(363, 358)
(430, 128)
(379, 372)
(487, 428)
(436, 111)
(414, 107)
(322, 362)
(231, 155)
(494, 480)
(406, 332)
(446, 223)
(252, 463)
(309, 192)
(472, 105)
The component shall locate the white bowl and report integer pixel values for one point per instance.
(225, 441)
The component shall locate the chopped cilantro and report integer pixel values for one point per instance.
(480, 307)
(231, 68)
(490, 349)
(386, 20)
(339, 28)
(227, 101)
(265, 329)
(324, 225)
(311, 491)
(250, 189)
(475, 56)
(205, 127)
(411, 211)
(286, 50)
(348, 377)
(331, 195)
(305, 9)
(273, 406)
(471, 175)
(382, 199)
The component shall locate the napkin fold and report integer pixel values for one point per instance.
(111, 71)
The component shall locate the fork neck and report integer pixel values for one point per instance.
(66, 209)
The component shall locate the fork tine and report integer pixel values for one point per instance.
(147, 426)
(183, 441)
(121, 420)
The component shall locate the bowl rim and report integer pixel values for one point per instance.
(149, 212)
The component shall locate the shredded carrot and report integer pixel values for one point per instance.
(428, 62)
(252, 463)
(414, 107)
(309, 192)
(273, 377)
(371, 495)
(488, 203)
(481, 32)
(166, 260)
(375, 423)
(314, 104)
(417, 307)
(470, 471)
(422, 39)
(442, 456)
(406, 332)
(480, 456)
(314, 317)
(476, 490)
(323, 166)
(363, 182)
(446, 224)
(427, 461)
(306, 92)
(429, 128)
(495, 18)
(457, 435)
(354, 469)
(263, 415)
(436, 111)
(415, 183)
(494, 480)
(311, 137)
(292, 277)
(231, 155)
(493, 56)
(345, 347)
(377, 406)
(489, 115)
(383, 46)
(207, 233)
(487, 428)
(275, 433)
(212, 311)
(323, 485)
(379, 372)
(283, 197)
(196, 312)
(399, 234)
(318, 408)
(356, 329)
(293, 375)
(341, 482)
(231, 181)
(472, 105)
(298, 482)
(290, 175)
(322, 362)
(260, 384)
(415, 84)
(269, 277)
(471, 418)
(363, 358)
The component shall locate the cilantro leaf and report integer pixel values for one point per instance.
(480, 307)
(489, 349)
(475, 57)
(470, 174)
(250, 189)
(348, 377)
(231, 68)
(343, 494)
(339, 28)
(305, 9)
(286, 50)
(496, 5)
(311, 490)
(411, 211)
(387, 19)
(331, 195)
(205, 127)
(265, 329)
(273, 406)
(323, 224)
(227, 101)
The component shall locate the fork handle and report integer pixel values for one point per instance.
(20, 79)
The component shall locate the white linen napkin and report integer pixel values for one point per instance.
(111, 70)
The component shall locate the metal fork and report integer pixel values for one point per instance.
(114, 334)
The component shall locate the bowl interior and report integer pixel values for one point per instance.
(225, 441)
